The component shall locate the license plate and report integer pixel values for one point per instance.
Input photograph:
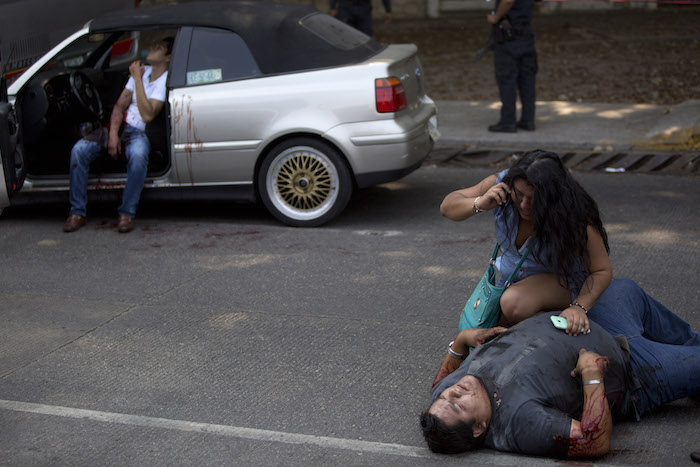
(433, 128)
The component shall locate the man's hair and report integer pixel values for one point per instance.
(449, 439)
(169, 41)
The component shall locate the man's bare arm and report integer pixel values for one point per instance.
(465, 339)
(503, 9)
(115, 122)
(590, 437)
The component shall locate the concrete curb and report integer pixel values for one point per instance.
(572, 125)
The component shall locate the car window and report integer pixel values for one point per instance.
(135, 45)
(119, 48)
(124, 50)
(218, 55)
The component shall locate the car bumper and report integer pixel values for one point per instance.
(385, 150)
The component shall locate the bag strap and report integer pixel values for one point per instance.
(517, 268)
(495, 253)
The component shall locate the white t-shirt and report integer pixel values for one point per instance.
(154, 90)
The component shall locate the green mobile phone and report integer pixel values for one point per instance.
(560, 322)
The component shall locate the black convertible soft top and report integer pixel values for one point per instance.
(283, 37)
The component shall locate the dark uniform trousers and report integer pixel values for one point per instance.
(515, 63)
(356, 13)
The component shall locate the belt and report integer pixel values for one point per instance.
(520, 28)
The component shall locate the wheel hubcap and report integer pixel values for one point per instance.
(303, 182)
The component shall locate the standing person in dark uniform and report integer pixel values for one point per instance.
(515, 61)
(358, 13)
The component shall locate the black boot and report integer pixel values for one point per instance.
(527, 126)
(502, 128)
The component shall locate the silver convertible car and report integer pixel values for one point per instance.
(269, 102)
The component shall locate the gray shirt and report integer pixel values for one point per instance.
(526, 372)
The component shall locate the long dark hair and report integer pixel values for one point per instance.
(561, 213)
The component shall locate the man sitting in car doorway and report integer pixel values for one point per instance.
(536, 390)
(140, 102)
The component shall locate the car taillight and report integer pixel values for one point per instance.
(390, 94)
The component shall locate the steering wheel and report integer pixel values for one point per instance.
(86, 93)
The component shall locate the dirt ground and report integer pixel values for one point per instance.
(617, 56)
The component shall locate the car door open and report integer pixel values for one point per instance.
(10, 156)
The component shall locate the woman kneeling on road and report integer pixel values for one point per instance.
(539, 206)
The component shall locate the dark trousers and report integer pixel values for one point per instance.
(357, 14)
(515, 63)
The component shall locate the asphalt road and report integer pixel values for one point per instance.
(212, 335)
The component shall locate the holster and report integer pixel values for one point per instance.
(503, 31)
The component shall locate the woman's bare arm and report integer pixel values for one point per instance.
(599, 278)
(459, 205)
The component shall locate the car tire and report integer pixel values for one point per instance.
(304, 182)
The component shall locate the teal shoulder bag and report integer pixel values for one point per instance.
(483, 309)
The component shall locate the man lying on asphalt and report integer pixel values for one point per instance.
(534, 389)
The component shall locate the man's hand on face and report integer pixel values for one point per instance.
(590, 365)
(136, 70)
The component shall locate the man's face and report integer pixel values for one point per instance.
(158, 53)
(466, 401)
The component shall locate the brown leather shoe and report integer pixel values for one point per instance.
(126, 224)
(74, 222)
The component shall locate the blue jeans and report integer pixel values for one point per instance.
(137, 147)
(664, 350)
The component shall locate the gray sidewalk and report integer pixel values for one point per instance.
(577, 126)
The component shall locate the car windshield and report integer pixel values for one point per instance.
(100, 50)
(78, 53)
